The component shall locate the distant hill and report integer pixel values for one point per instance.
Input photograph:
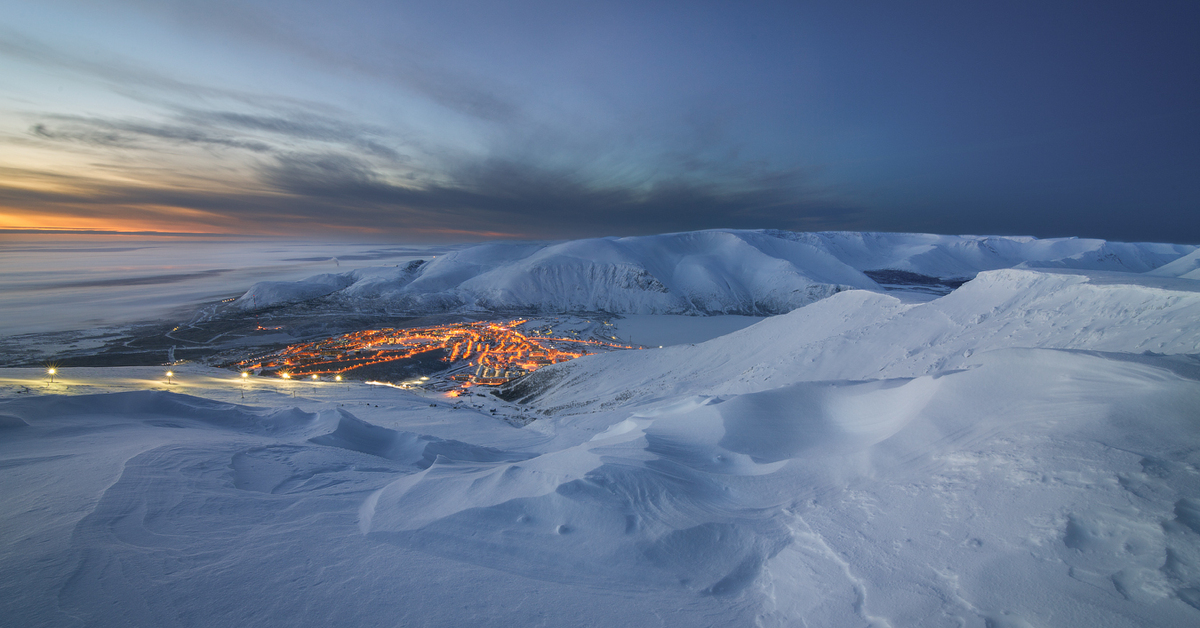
(703, 272)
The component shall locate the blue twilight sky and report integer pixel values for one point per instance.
(459, 120)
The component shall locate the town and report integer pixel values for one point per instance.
(484, 353)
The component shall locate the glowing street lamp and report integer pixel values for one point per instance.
(288, 376)
(170, 374)
(338, 377)
(51, 371)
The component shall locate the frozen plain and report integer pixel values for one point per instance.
(1024, 451)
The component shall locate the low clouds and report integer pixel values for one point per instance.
(205, 158)
(315, 192)
(302, 170)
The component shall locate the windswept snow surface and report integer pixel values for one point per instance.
(704, 272)
(1024, 451)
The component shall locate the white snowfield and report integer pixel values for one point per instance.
(1186, 267)
(704, 272)
(859, 335)
(1024, 451)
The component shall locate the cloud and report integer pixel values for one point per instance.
(130, 79)
(330, 192)
(299, 124)
(499, 194)
(415, 69)
(286, 165)
(135, 135)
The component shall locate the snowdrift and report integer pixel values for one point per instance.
(808, 499)
(705, 272)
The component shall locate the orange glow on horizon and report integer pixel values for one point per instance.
(184, 223)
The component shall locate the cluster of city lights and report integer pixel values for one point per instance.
(499, 350)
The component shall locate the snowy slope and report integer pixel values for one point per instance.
(997, 494)
(1186, 267)
(860, 335)
(705, 272)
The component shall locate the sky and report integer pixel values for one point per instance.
(464, 121)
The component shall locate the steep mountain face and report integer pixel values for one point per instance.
(699, 273)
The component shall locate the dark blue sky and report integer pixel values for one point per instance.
(465, 120)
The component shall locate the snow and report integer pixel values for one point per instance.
(1024, 451)
(673, 329)
(733, 272)
(1186, 267)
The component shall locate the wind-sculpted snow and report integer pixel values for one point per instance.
(648, 501)
(705, 272)
(174, 410)
(1036, 486)
(408, 447)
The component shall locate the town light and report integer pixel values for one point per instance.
(285, 375)
(245, 375)
(338, 377)
(314, 376)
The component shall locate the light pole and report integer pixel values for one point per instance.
(170, 374)
(51, 371)
(245, 375)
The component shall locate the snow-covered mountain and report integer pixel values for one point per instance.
(1023, 451)
(705, 272)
